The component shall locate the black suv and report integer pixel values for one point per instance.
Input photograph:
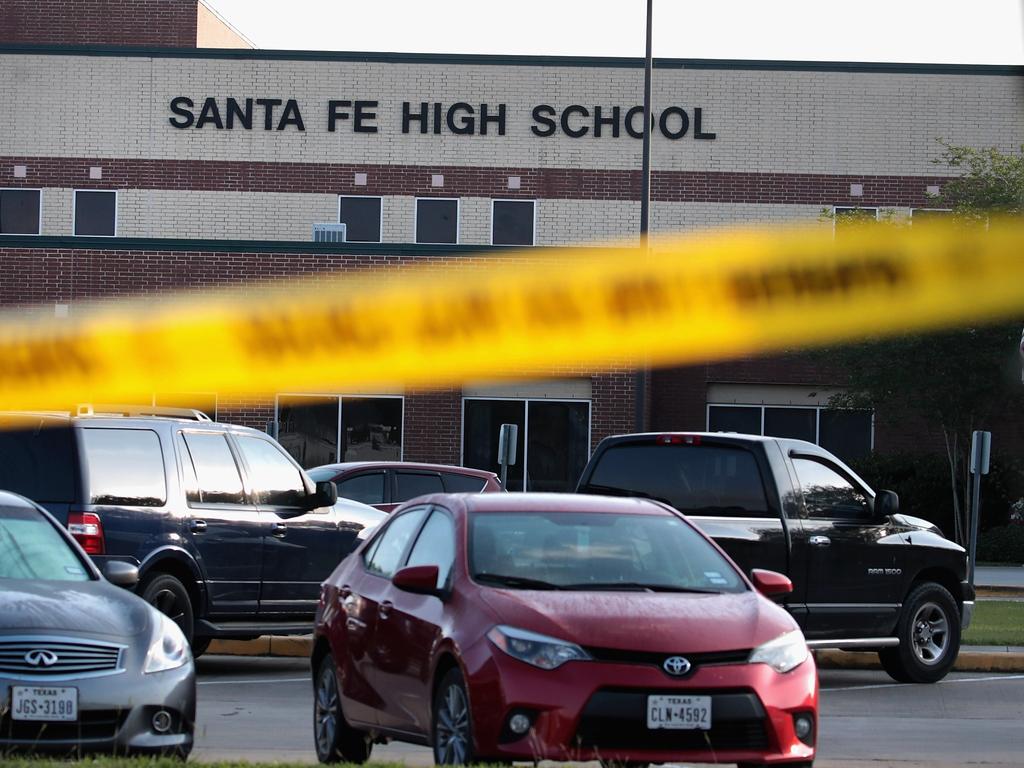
(864, 576)
(231, 537)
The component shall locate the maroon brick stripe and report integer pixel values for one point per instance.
(552, 183)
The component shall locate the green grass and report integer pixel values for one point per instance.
(996, 622)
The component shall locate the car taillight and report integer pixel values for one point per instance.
(87, 530)
(678, 440)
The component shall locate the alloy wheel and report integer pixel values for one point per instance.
(930, 633)
(453, 727)
(326, 707)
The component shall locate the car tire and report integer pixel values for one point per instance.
(169, 596)
(798, 764)
(199, 646)
(336, 741)
(452, 722)
(929, 635)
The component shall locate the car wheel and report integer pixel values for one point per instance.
(336, 741)
(799, 764)
(929, 635)
(199, 646)
(452, 722)
(169, 596)
(622, 764)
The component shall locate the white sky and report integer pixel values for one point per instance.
(946, 31)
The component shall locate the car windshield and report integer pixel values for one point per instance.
(31, 549)
(596, 551)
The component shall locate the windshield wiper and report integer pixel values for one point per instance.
(520, 582)
(609, 490)
(638, 585)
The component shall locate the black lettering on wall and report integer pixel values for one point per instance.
(363, 115)
(291, 116)
(409, 116)
(268, 112)
(498, 119)
(437, 118)
(630, 129)
(697, 132)
(334, 114)
(575, 133)
(178, 107)
(664, 123)
(600, 121)
(210, 114)
(468, 124)
(244, 116)
(544, 114)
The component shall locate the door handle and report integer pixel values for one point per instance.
(279, 530)
(819, 541)
(384, 609)
(197, 526)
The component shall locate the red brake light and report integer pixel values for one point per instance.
(88, 531)
(678, 440)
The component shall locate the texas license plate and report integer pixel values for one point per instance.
(679, 712)
(44, 703)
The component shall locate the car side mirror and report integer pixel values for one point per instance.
(121, 573)
(771, 583)
(886, 503)
(325, 495)
(419, 579)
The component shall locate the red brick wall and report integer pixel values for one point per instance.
(164, 23)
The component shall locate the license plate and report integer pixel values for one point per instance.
(679, 712)
(44, 703)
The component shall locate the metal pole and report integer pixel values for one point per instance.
(645, 205)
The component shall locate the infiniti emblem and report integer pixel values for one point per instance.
(676, 666)
(41, 658)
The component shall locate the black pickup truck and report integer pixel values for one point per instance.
(864, 576)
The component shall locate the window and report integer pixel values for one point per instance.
(211, 470)
(367, 488)
(95, 213)
(552, 447)
(437, 221)
(827, 494)
(927, 215)
(32, 550)
(317, 430)
(275, 480)
(409, 485)
(20, 212)
(37, 458)
(455, 483)
(124, 466)
(385, 554)
(362, 218)
(512, 222)
(794, 423)
(846, 433)
(435, 546)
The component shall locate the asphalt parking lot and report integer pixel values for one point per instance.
(261, 709)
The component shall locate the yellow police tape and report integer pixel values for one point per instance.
(698, 298)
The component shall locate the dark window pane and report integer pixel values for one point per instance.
(371, 429)
(19, 211)
(728, 419)
(482, 421)
(95, 213)
(435, 546)
(215, 469)
(275, 479)
(368, 488)
(828, 494)
(32, 550)
(699, 480)
(454, 483)
(558, 446)
(361, 217)
(36, 460)
(124, 466)
(795, 423)
(387, 553)
(409, 485)
(847, 434)
(307, 427)
(513, 222)
(437, 221)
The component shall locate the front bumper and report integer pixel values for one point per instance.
(597, 710)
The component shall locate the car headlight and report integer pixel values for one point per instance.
(168, 648)
(539, 650)
(782, 654)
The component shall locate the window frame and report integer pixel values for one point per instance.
(837, 208)
(416, 217)
(763, 406)
(533, 231)
(39, 224)
(74, 211)
(930, 210)
(380, 222)
(432, 510)
(365, 554)
(248, 494)
(247, 480)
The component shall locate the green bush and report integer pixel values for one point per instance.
(1002, 545)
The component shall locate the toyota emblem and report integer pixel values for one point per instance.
(676, 666)
(41, 658)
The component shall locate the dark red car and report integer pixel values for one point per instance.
(386, 484)
(505, 627)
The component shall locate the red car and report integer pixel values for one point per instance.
(508, 627)
(386, 484)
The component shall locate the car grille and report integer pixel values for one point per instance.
(95, 725)
(617, 719)
(53, 657)
(618, 656)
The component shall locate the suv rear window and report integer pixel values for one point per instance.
(37, 460)
(454, 483)
(698, 480)
(124, 466)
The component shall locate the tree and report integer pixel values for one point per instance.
(961, 380)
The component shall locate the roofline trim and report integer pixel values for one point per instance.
(610, 62)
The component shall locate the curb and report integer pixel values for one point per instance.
(292, 646)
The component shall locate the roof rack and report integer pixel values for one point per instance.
(88, 409)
